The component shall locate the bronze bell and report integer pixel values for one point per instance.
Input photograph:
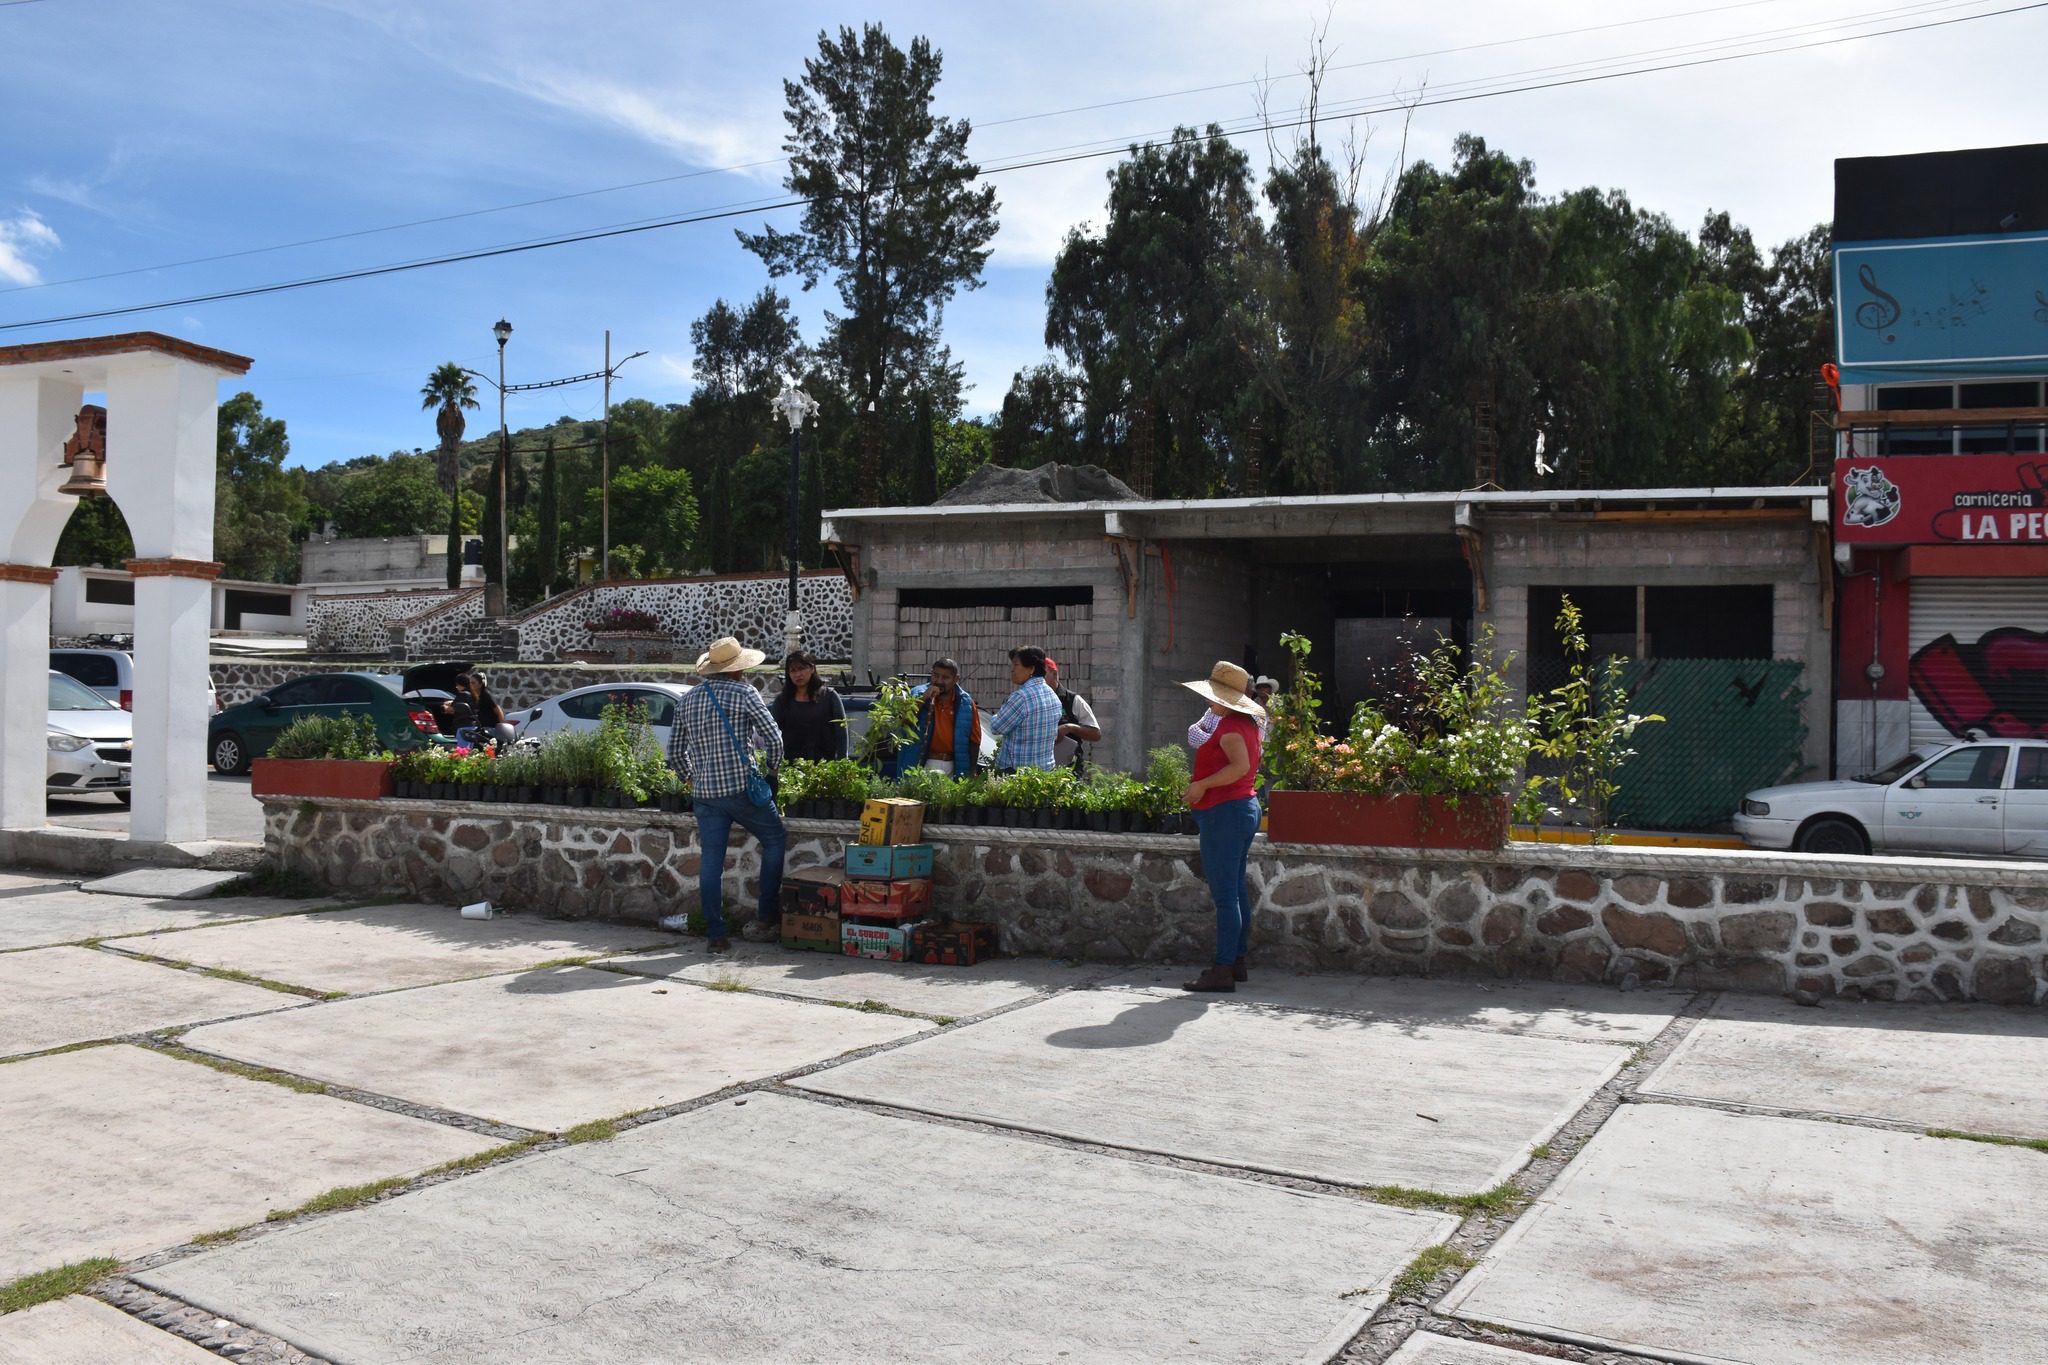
(86, 454)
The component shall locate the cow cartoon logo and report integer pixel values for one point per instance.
(1869, 498)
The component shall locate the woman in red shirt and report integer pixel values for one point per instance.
(1224, 798)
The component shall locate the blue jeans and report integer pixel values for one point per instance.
(1227, 831)
(716, 816)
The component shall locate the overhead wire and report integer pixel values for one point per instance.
(1092, 152)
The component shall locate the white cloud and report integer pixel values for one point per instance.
(21, 237)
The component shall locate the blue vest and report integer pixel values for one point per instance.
(964, 757)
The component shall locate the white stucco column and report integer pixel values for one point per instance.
(160, 470)
(37, 414)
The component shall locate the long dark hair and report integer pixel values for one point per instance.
(798, 658)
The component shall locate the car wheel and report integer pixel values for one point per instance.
(230, 754)
(1832, 834)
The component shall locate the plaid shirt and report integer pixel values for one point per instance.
(718, 769)
(1029, 724)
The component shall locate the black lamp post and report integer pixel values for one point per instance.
(794, 406)
(503, 332)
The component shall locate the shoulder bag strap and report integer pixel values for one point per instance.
(746, 754)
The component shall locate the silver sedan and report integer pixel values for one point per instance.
(91, 741)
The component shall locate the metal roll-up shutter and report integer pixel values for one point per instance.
(1980, 658)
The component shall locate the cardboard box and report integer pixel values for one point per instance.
(810, 933)
(896, 900)
(813, 891)
(950, 943)
(888, 862)
(892, 820)
(863, 938)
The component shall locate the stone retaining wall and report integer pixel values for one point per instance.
(1873, 928)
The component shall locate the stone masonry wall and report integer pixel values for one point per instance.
(360, 624)
(1930, 931)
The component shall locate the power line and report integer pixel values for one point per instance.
(1267, 126)
(773, 161)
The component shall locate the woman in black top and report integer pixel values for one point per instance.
(812, 717)
(487, 716)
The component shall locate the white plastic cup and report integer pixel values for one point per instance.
(481, 910)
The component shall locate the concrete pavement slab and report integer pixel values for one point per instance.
(781, 1230)
(944, 992)
(387, 946)
(119, 1151)
(83, 1331)
(40, 918)
(53, 996)
(1695, 1234)
(162, 883)
(1352, 1101)
(550, 1049)
(1427, 1348)
(1973, 1067)
(34, 881)
(1538, 1009)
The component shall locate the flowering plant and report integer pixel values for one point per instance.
(624, 618)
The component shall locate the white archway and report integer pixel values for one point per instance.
(161, 400)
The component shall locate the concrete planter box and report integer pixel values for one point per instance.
(344, 779)
(1474, 822)
(633, 646)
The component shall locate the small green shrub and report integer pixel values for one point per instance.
(345, 736)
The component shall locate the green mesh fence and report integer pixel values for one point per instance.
(1730, 726)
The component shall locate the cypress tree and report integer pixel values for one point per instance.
(924, 469)
(550, 523)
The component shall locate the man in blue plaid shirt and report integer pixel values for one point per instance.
(1028, 722)
(716, 761)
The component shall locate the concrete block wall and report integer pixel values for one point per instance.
(1199, 612)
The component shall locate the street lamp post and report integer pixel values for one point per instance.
(604, 446)
(794, 406)
(503, 332)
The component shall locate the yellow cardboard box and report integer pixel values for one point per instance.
(892, 820)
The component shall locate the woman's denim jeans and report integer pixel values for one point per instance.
(1227, 831)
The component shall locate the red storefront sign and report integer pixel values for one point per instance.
(1942, 500)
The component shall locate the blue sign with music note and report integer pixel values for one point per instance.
(1941, 308)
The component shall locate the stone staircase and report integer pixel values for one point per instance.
(484, 641)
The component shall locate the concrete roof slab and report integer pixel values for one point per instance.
(778, 1230)
(52, 997)
(1977, 1068)
(84, 1330)
(1538, 1009)
(943, 992)
(119, 1151)
(549, 1049)
(387, 946)
(1349, 1101)
(1699, 1235)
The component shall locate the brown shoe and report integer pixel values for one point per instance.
(1215, 980)
(719, 945)
(1237, 971)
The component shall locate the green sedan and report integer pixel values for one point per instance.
(239, 735)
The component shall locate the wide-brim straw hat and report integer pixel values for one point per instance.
(1228, 685)
(729, 656)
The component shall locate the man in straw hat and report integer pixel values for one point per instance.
(1223, 796)
(719, 729)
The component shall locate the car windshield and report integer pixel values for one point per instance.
(68, 694)
(1885, 776)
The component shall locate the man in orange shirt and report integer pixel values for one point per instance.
(948, 727)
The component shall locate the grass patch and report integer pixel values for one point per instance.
(210, 1239)
(271, 881)
(55, 1051)
(877, 1007)
(340, 1197)
(727, 983)
(562, 962)
(485, 1158)
(1499, 1199)
(230, 974)
(597, 1130)
(1543, 1152)
(2032, 1144)
(1423, 1270)
(249, 1073)
(44, 1285)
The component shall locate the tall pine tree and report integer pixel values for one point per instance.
(550, 519)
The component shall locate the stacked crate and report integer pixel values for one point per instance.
(888, 889)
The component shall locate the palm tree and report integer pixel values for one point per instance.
(450, 389)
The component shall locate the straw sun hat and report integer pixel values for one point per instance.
(1227, 685)
(726, 656)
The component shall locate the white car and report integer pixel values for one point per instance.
(583, 709)
(111, 673)
(1988, 798)
(92, 741)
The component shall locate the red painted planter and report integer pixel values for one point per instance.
(1475, 822)
(340, 777)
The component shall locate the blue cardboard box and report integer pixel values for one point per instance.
(889, 862)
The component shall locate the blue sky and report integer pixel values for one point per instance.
(141, 134)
